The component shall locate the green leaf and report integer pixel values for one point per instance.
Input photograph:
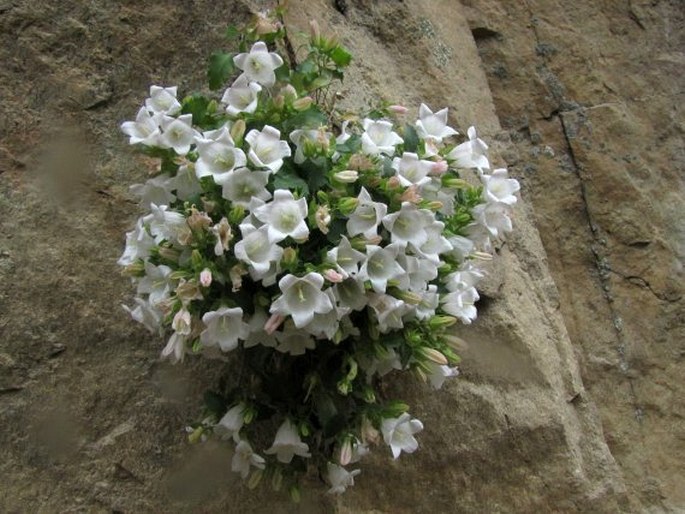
(221, 67)
(287, 179)
(340, 56)
(198, 106)
(232, 32)
(411, 139)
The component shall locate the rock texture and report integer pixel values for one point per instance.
(93, 422)
(591, 94)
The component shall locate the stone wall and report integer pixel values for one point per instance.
(93, 422)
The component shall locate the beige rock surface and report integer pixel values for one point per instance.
(92, 422)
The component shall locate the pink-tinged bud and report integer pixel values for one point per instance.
(346, 452)
(439, 168)
(279, 101)
(411, 195)
(374, 240)
(289, 92)
(272, 324)
(314, 30)
(398, 109)
(333, 276)
(206, 277)
(369, 433)
(393, 182)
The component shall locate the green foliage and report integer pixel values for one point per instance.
(221, 68)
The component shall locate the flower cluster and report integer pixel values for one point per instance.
(318, 250)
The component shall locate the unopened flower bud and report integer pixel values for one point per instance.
(169, 254)
(437, 322)
(279, 102)
(206, 277)
(434, 205)
(454, 342)
(255, 478)
(302, 104)
(277, 480)
(411, 195)
(483, 256)
(398, 109)
(295, 493)
(409, 297)
(289, 257)
(347, 205)
(454, 182)
(196, 259)
(346, 452)
(237, 214)
(435, 356)
(375, 240)
(238, 131)
(195, 436)
(439, 168)
(272, 324)
(289, 93)
(393, 182)
(333, 276)
(135, 269)
(369, 432)
(314, 30)
(347, 176)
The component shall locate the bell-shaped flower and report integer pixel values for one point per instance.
(379, 138)
(380, 266)
(218, 155)
(293, 341)
(461, 304)
(381, 364)
(309, 140)
(439, 373)
(242, 96)
(498, 188)
(398, 433)
(225, 327)
(144, 130)
(186, 184)
(284, 216)
(256, 250)
(258, 335)
(494, 217)
(433, 126)
(470, 154)
(157, 283)
(163, 100)
(231, 422)
(244, 458)
(350, 294)
(324, 326)
(146, 314)
(419, 271)
(266, 148)
(366, 217)
(408, 225)
(462, 247)
(436, 244)
(410, 170)
(467, 276)
(175, 349)
(178, 133)
(301, 297)
(430, 300)
(165, 224)
(339, 478)
(259, 64)
(389, 311)
(156, 190)
(138, 245)
(345, 257)
(287, 444)
(241, 186)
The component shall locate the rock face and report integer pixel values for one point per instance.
(569, 398)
